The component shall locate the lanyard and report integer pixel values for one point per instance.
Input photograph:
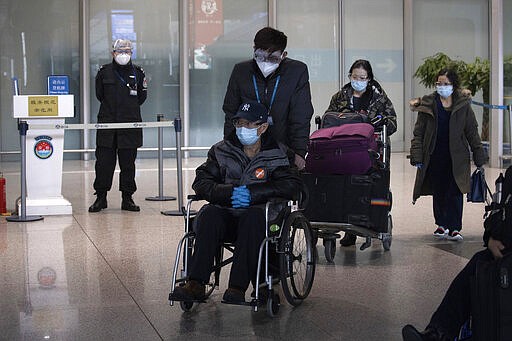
(273, 92)
(122, 79)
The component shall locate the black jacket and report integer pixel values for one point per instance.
(267, 175)
(291, 110)
(498, 224)
(117, 105)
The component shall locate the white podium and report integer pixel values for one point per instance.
(44, 151)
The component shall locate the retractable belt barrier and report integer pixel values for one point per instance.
(92, 126)
(492, 106)
(23, 126)
(498, 107)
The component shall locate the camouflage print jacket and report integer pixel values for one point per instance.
(379, 103)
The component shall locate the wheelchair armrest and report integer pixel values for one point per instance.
(276, 200)
(195, 197)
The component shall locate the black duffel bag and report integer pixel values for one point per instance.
(335, 119)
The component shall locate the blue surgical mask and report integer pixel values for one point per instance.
(247, 136)
(445, 90)
(359, 85)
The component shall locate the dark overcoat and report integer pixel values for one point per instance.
(291, 109)
(464, 139)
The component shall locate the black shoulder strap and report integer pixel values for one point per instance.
(507, 184)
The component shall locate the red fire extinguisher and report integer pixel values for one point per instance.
(3, 208)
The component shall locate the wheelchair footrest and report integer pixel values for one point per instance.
(251, 303)
(176, 298)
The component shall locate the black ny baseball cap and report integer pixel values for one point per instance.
(252, 112)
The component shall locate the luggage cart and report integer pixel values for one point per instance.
(359, 204)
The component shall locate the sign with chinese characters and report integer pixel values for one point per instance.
(43, 106)
(58, 85)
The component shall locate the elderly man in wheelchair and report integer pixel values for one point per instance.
(240, 175)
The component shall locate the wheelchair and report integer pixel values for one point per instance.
(288, 235)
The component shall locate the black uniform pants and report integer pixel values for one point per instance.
(455, 307)
(106, 165)
(215, 225)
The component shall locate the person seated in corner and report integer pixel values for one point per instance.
(240, 174)
(455, 308)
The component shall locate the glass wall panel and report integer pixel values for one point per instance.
(459, 29)
(507, 70)
(153, 28)
(221, 35)
(373, 30)
(37, 39)
(312, 30)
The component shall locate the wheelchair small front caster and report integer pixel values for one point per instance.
(273, 303)
(186, 306)
(330, 249)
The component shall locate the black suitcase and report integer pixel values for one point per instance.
(491, 301)
(362, 200)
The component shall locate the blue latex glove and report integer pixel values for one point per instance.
(419, 165)
(241, 197)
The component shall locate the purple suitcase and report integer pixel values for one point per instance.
(346, 149)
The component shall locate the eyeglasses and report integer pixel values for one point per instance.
(123, 51)
(264, 56)
(239, 123)
(442, 84)
(358, 78)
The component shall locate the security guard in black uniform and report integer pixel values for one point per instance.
(121, 88)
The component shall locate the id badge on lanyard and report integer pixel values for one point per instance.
(270, 121)
(133, 91)
(133, 88)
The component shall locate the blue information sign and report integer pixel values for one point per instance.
(58, 85)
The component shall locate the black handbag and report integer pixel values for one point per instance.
(478, 187)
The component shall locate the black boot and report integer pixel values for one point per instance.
(100, 203)
(348, 239)
(128, 205)
(410, 333)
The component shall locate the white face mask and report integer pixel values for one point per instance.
(267, 68)
(122, 58)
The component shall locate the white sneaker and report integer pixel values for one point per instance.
(455, 236)
(441, 232)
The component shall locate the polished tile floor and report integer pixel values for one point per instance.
(106, 276)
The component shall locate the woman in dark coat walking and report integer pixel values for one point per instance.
(445, 134)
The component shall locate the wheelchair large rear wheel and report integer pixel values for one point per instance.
(296, 258)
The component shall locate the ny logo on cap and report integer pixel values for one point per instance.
(246, 107)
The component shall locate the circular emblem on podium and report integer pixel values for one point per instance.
(209, 7)
(46, 277)
(43, 147)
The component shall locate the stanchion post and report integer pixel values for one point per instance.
(510, 124)
(160, 197)
(181, 209)
(22, 216)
